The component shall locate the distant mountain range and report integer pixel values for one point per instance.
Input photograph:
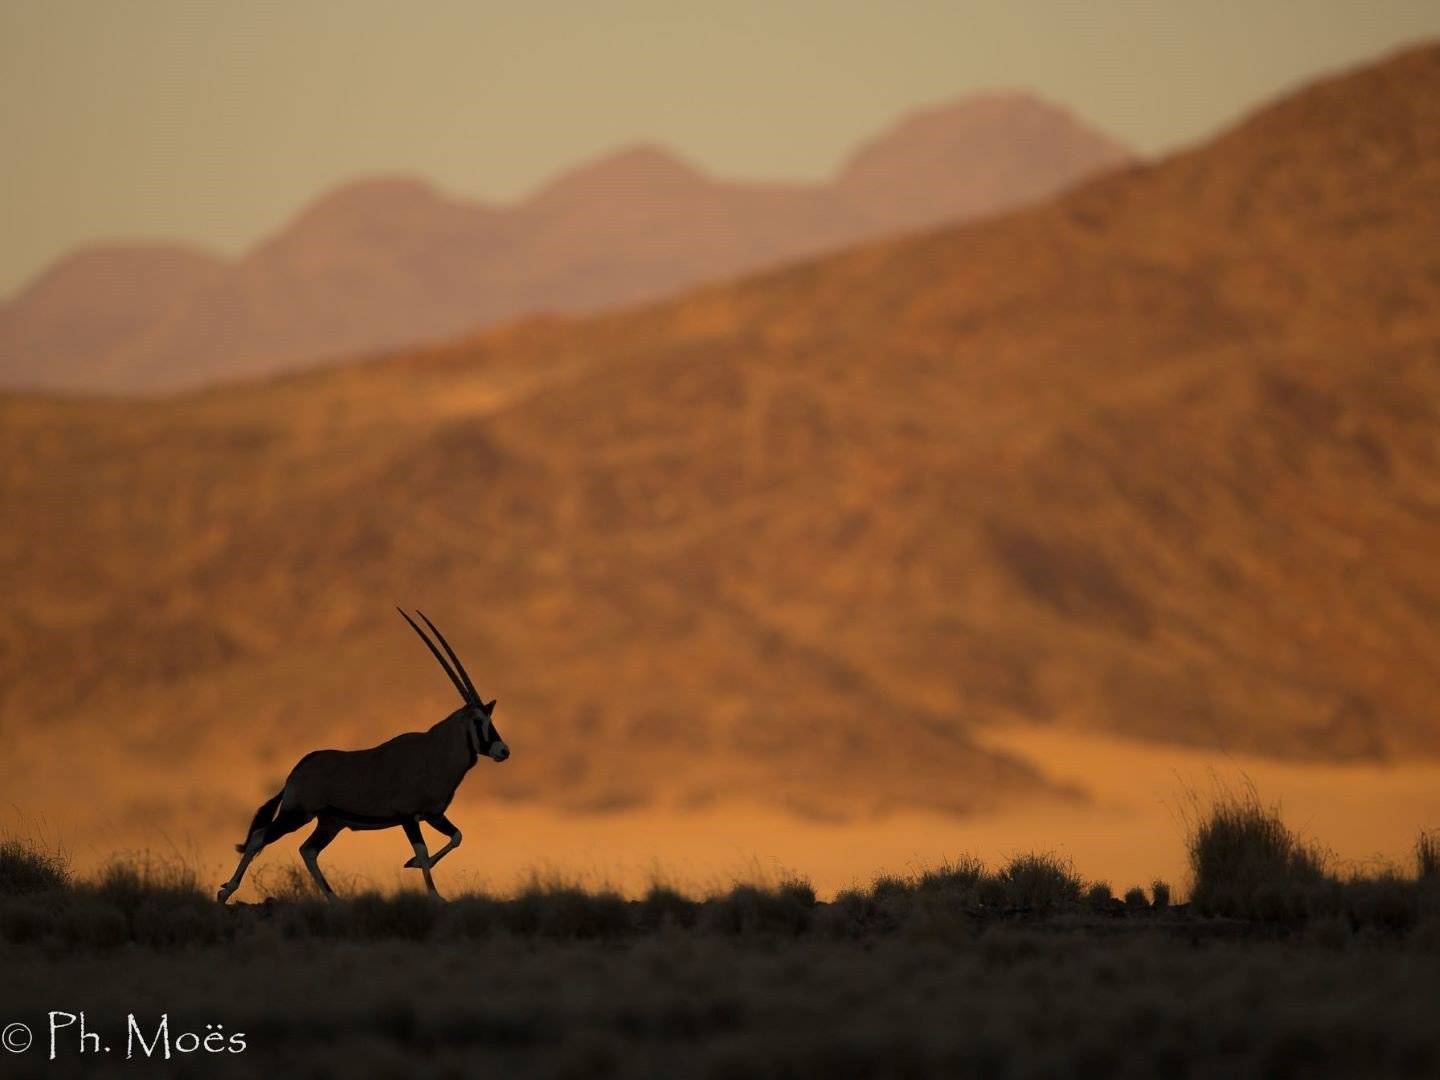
(1158, 457)
(387, 262)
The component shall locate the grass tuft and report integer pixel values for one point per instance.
(784, 910)
(1159, 894)
(27, 867)
(1040, 881)
(1246, 862)
(1098, 895)
(1427, 855)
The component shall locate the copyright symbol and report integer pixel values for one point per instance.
(16, 1038)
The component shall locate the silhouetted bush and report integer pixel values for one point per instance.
(1040, 881)
(752, 909)
(131, 880)
(1160, 894)
(1383, 901)
(161, 901)
(473, 916)
(991, 892)
(555, 908)
(407, 915)
(856, 913)
(663, 906)
(26, 867)
(1427, 856)
(955, 877)
(1248, 864)
(1098, 895)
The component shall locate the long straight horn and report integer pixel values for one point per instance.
(465, 691)
(474, 697)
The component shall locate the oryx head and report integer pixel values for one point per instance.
(486, 739)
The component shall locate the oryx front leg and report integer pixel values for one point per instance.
(441, 824)
(422, 857)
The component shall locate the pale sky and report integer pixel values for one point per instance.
(214, 122)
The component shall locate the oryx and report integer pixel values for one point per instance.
(404, 781)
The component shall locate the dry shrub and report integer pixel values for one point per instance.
(161, 901)
(1098, 895)
(1040, 881)
(28, 867)
(856, 913)
(1135, 898)
(785, 910)
(891, 887)
(409, 916)
(142, 877)
(1246, 861)
(664, 906)
(955, 877)
(554, 907)
(1384, 901)
(1427, 855)
(1159, 894)
(473, 915)
(991, 892)
(286, 883)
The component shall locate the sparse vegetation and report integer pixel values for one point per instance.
(1248, 867)
(1246, 862)
(27, 866)
(561, 979)
(1160, 894)
(1040, 882)
(1427, 856)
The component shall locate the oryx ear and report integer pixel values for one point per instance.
(489, 708)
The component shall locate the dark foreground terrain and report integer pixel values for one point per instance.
(1009, 1001)
(1277, 965)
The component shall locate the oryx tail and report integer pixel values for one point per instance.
(263, 817)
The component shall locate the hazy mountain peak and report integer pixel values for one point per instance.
(372, 197)
(391, 259)
(94, 302)
(1003, 137)
(103, 266)
(640, 168)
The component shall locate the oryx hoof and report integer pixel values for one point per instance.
(224, 894)
(412, 864)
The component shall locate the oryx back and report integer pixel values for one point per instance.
(409, 776)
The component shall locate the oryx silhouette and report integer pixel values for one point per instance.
(402, 782)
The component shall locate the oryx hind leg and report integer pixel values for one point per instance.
(263, 831)
(253, 844)
(422, 857)
(316, 842)
(443, 825)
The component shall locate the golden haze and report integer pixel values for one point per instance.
(1154, 461)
